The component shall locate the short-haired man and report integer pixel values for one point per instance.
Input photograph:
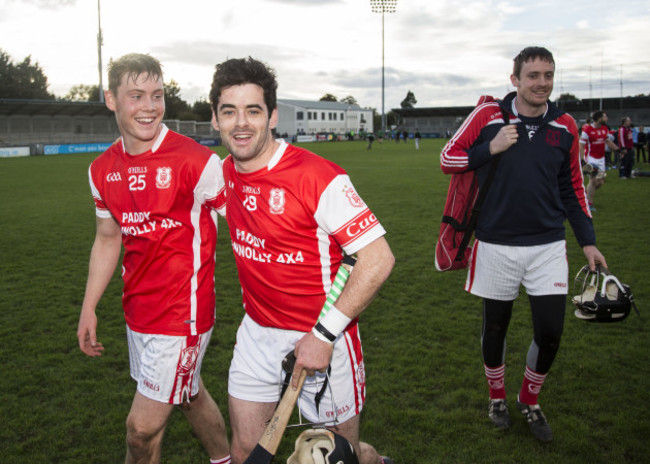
(520, 236)
(292, 215)
(151, 192)
(626, 141)
(595, 136)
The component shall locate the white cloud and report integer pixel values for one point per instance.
(446, 52)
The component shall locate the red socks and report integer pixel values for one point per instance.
(531, 386)
(496, 381)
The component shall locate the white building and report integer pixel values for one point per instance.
(302, 117)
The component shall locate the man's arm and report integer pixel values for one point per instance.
(461, 153)
(582, 152)
(104, 256)
(611, 144)
(594, 257)
(374, 264)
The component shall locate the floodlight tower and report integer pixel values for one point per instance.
(383, 6)
(100, 42)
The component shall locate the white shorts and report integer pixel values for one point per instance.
(600, 170)
(167, 368)
(497, 271)
(256, 372)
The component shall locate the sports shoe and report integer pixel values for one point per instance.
(386, 460)
(498, 413)
(537, 422)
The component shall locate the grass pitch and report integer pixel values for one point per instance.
(427, 395)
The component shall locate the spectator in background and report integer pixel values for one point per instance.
(594, 138)
(371, 138)
(626, 142)
(642, 140)
(417, 137)
(405, 135)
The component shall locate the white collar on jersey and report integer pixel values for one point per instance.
(163, 132)
(277, 156)
(516, 113)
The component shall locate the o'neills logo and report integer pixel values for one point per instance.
(163, 177)
(356, 227)
(276, 201)
(353, 196)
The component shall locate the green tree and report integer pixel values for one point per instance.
(568, 97)
(174, 104)
(350, 100)
(328, 97)
(23, 80)
(83, 92)
(409, 101)
(203, 110)
(392, 119)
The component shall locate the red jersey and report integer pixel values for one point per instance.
(289, 224)
(594, 139)
(625, 138)
(160, 200)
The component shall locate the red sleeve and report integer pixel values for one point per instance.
(455, 156)
(576, 170)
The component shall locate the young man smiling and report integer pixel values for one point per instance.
(292, 215)
(152, 190)
(520, 236)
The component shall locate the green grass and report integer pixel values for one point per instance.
(427, 396)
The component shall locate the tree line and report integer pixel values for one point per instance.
(27, 80)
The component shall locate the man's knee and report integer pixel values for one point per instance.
(141, 434)
(238, 451)
(139, 439)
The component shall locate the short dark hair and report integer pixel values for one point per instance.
(596, 115)
(528, 54)
(239, 71)
(132, 64)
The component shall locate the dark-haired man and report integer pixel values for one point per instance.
(594, 138)
(626, 141)
(292, 215)
(520, 237)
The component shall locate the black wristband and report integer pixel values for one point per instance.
(324, 332)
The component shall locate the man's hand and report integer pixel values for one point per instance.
(87, 336)
(505, 138)
(313, 355)
(594, 257)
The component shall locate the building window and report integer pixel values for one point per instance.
(322, 116)
(342, 116)
(309, 115)
(300, 115)
(334, 116)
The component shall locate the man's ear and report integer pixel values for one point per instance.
(109, 100)
(273, 122)
(514, 80)
(215, 124)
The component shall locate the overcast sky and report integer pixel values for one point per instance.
(447, 53)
